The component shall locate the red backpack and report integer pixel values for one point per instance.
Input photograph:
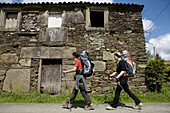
(130, 64)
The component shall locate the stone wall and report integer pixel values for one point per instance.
(24, 49)
(34, 74)
(125, 32)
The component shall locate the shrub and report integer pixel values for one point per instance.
(168, 73)
(155, 74)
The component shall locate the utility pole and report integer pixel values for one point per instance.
(154, 53)
(154, 50)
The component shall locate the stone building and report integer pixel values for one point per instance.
(37, 41)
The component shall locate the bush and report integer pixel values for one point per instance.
(155, 74)
(168, 73)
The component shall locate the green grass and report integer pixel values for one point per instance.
(33, 97)
(36, 97)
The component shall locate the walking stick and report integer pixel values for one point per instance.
(110, 81)
(113, 85)
(93, 99)
(67, 93)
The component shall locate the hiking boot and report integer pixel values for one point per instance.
(139, 106)
(89, 107)
(110, 108)
(67, 105)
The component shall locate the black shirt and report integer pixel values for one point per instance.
(121, 66)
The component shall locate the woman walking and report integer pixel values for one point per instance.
(122, 78)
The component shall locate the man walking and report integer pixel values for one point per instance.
(80, 83)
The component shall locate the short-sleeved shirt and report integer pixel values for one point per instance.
(78, 64)
(121, 66)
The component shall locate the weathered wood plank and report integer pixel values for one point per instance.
(51, 78)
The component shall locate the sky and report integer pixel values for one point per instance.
(155, 17)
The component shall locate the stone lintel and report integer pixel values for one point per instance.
(47, 52)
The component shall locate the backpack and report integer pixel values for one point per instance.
(129, 64)
(87, 64)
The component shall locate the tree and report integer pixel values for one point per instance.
(158, 56)
(168, 73)
(155, 74)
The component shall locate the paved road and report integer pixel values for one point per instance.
(101, 108)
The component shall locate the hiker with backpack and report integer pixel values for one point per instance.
(122, 72)
(80, 83)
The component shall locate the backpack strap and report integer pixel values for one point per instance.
(125, 63)
(131, 61)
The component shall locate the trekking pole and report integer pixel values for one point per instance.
(110, 81)
(118, 82)
(113, 85)
(67, 93)
(93, 99)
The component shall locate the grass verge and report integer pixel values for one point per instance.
(36, 97)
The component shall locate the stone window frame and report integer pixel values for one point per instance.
(52, 12)
(106, 18)
(3, 13)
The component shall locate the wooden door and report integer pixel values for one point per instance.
(51, 78)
